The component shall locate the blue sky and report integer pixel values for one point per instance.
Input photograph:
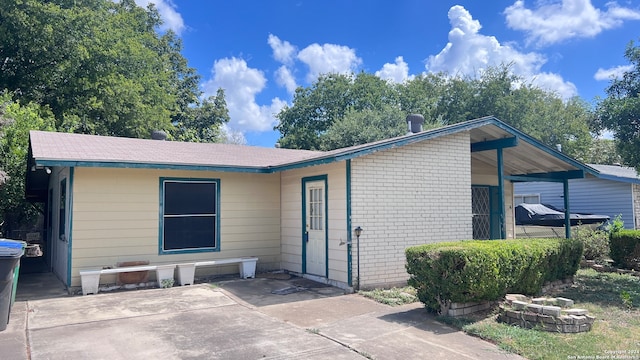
(260, 50)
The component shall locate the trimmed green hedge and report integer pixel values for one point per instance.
(625, 248)
(485, 270)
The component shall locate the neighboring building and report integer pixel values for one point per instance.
(614, 191)
(119, 199)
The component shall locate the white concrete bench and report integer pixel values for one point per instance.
(91, 278)
(246, 265)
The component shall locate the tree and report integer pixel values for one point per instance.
(15, 122)
(620, 110)
(359, 109)
(603, 151)
(328, 99)
(364, 126)
(202, 123)
(99, 65)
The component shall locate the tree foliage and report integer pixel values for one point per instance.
(352, 107)
(620, 110)
(15, 122)
(361, 127)
(96, 67)
(326, 101)
(100, 67)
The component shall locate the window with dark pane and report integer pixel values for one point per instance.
(189, 215)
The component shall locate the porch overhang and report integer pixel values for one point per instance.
(500, 150)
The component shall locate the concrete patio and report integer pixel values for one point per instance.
(233, 319)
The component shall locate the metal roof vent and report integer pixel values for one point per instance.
(158, 135)
(415, 122)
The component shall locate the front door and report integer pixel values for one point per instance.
(315, 226)
(486, 212)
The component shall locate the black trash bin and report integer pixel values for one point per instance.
(10, 253)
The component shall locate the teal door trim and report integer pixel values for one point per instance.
(70, 219)
(503, 230)
(349, 232)
(305, 180)
(567, 211)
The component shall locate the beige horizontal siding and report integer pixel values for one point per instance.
(291, 218)
(116, 218)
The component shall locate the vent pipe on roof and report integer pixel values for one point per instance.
(415, 121)
(158, 135)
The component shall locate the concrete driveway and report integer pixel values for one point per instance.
(240, 319)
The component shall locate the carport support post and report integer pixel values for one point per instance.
(503, 231)
(567, 211)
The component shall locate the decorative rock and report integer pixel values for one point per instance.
(548, 319)
(578, 320)
(564, 302)
(551, 310)
(575, 312)
(515, 297)
(539, 301)
(519, 305)
(534, 308)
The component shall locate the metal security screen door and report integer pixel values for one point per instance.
(486, 212)
(315, 227)
(481, 211)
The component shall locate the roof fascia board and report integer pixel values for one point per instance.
(107, 164)
(551, 176)
(618, 178)
(494, 144)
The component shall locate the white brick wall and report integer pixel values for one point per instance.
(414, 194)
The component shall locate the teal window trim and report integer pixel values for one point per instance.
(70, 220)
(216, 247)
(305, 180)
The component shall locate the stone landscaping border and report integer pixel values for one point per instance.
(544, 314)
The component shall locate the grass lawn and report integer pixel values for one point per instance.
(614, 300)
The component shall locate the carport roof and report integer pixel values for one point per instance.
(522, 155)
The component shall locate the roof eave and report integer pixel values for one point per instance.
(149, 165)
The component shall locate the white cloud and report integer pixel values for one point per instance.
(397, 72)
(555, 83)
(285, 78)
(612, 73)
(241, 85)
(469, 52)
(552, 21)
(283, 51)
(170, 16)
(328, 58)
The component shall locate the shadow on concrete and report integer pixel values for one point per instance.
(38, 286)
(418, 318)
(273, 289)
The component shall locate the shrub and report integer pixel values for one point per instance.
(595, 242)
(625, 248)
(470, 271)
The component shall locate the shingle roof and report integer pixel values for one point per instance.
(68, 147)
(64, 149)
(615, 171)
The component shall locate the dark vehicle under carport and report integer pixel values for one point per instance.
(541, 215)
